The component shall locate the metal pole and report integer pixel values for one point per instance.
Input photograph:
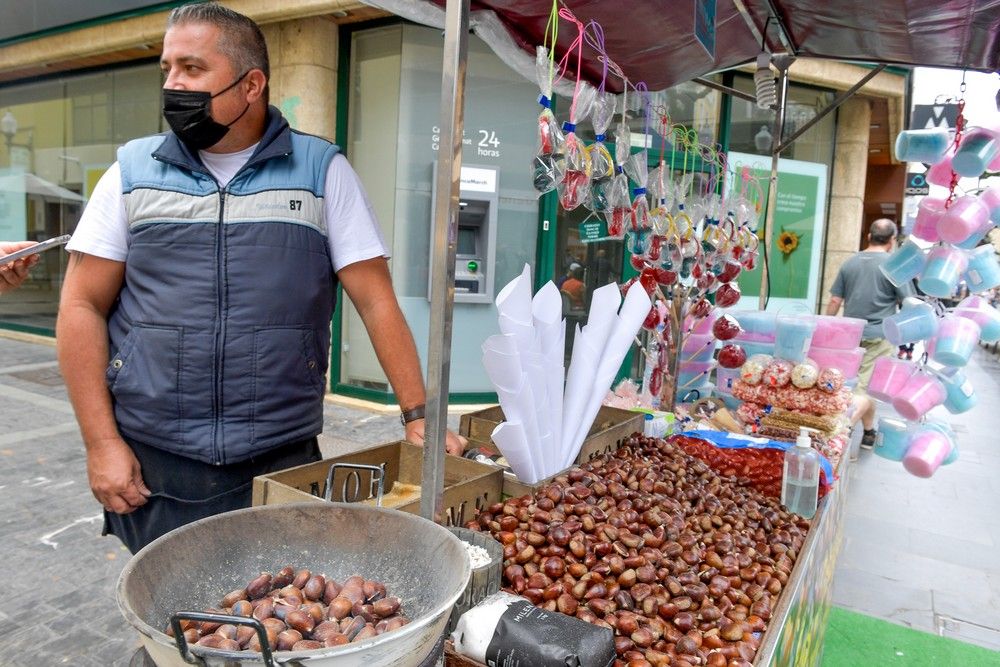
(708, 83)
(772, 187)
(837, 101)
(447, 181)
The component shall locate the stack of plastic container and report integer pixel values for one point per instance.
(956, 227)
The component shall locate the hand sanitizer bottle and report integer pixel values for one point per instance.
(800, 481)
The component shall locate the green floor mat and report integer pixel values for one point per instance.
(855, 640)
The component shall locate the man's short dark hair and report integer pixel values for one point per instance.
(240, 38)
(882, 231)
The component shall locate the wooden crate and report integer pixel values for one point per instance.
(468, 486)
(611, 426)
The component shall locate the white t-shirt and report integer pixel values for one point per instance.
(353, 234)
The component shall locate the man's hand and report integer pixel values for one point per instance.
(12, 274)
(454, 444)
(115, 476)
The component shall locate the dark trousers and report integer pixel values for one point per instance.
(185, 490)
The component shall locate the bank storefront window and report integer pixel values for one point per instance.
(393, 141)
(59, 137)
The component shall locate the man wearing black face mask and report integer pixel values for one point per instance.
(194, 327)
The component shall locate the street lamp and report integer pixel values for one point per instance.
(8, 125)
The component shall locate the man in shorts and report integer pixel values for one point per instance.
(865, 293)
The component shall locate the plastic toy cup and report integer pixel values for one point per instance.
(889, 376)
(904, 264)
(966, 216)
(979, 310)
(691, 379)
(914, 322)
(759, 323)
(918, 395)
(940, 172)
(704, 325)
(959, 395)
(991, 200)
(729, 400)
(983, 270)
(838, 333)
(792, 337)
(929, 447)
(698, 347)
(977, 150)
(927, 146)
(929, 211)
(977, 236)
(691, 394)
(846, 361)
(752, 347)
(956, 339)
(893, 439)
(725, 377)
(944, 267)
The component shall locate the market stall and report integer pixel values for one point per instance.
(671, 550)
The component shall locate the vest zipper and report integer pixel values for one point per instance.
(220, 334)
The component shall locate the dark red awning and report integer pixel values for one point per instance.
(653, 41)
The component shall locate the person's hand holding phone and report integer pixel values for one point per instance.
(12, 274)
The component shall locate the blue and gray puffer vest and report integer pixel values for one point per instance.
(220, 337)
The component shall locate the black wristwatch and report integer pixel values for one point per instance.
(412, 414)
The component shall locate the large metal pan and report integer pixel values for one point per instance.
(191, 568)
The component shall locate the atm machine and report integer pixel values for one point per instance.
(475, 256)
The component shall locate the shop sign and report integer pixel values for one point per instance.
(593, 230)
(931, 116)
(486, 142)
(704, 25)
(916, 184)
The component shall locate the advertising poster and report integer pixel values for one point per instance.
(795, 261)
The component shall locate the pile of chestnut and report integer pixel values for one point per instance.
(300, 611)
(684, 565)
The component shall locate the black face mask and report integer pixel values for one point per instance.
(189, 116)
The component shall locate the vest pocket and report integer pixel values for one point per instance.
(143, 377)
(287, 378)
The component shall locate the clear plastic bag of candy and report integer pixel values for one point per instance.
(619, 208)
(574, 189)
(661, 188)
(548, 165)
(619, 204)
(601, 160)
(637, 168)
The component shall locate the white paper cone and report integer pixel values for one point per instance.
(629, 321)
(510, 440)
(550, 332)
(514, 300)
(501, 361)
(579, 383)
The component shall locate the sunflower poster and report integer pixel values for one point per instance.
(795, 255)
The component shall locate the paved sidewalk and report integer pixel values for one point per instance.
(917, 552)
(59, 606)
(923, 552)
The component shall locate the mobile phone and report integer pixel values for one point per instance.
(35, 249)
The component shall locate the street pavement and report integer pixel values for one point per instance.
(923, 552)
(916, 552)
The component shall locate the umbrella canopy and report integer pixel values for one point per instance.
(31, 184)
(654, 42)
